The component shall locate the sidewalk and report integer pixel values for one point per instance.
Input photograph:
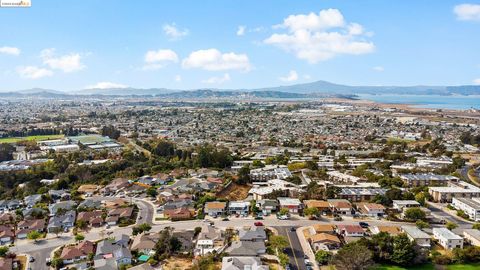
(307, 249)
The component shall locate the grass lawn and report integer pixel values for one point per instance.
(464, 266)
(391, 267)
(31, 138)
(429, 267)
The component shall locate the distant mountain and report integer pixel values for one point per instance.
(209, 93)
(40, 90)
(305, 90)
(125, 91)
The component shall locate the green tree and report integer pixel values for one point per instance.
(152, 192)
(403, 250)
(283, 212)
(422, 224)
(311, 211)
(414, 213)
(277, 242)
(451, 225)
(81, 224)
(353, 256)
(476, 226)
(244, 175)
(79, 237)
(323, 257)
(34, 235)
(3, 251)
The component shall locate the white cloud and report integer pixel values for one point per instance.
(217, 80)
(476, 81)
(32, 72)
(178, 78)
(467, 12)
(292, 76)
(106, 85)
(214, 60)
(319, 37)
(9, 50)
(327, 18)
(307, 77)
(67, 63)
(378, 68)
(173, 33)
(158, 59)
(241, 30)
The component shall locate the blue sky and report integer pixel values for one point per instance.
(71, 45)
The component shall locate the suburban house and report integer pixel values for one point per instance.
(62, 222)
(113, 252)
(208, 240)
(215, 209)
(372, 209)
(392, 230)
(7, 234)
(267, 206)
(238, 208)
(246, 248)
(65, 205)
(322, 206)
(324, 241)
(236, 263)
(145, 243)
(88, 190)
(115, 215)
(92, 218)
(324, 228)
(75, 253)
(294, 206)
(31, 200)
(350, 230)
(421, 238)
(447, 239)
(26, 226)
(254, 234)
(400, 205)
(182, 213)
(340, 206)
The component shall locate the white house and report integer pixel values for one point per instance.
(472, 236)
(421, 238)
(447, 239)
(469, 206)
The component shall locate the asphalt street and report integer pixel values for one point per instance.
(294, 251)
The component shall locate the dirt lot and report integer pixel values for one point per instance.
(177, 264)
(234, 192)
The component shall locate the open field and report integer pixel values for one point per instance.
(31, 138)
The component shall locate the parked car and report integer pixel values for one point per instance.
(363, 224)
(293, 229)
(259, 218)
(338, 218)
(258, 224)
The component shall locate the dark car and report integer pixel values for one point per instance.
(292, 229)
(258, 224)
(363, 224)
(225, 219)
